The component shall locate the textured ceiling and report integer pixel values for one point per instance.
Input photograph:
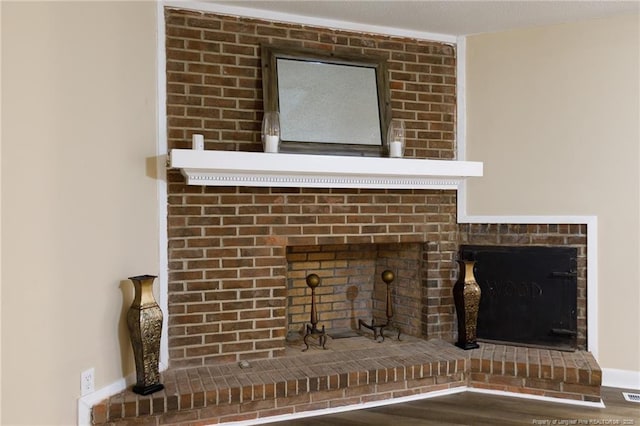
(447, 17)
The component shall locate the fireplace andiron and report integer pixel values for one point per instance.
(378, 329)
(466, 295)
(144, 320)
(313, 281)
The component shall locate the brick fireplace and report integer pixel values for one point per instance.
(228, 245)
(238, 255)
(228, 299)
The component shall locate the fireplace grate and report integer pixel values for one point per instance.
(631, 397)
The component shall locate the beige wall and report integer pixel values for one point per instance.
(554, 115)
(79, 204)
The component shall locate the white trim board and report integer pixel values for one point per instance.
(538, 397)
(461, 99)
(161, 160)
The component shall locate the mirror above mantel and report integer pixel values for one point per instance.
(234, 168)
(329, 103)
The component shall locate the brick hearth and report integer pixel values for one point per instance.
(352, 371)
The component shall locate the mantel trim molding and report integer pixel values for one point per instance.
(234, 168)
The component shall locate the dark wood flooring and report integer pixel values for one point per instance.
(470, 408)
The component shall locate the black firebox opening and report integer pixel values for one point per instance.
(529, 294)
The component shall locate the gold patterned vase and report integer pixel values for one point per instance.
(466, 294)
(144, 320)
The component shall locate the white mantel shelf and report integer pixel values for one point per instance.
(234, 168)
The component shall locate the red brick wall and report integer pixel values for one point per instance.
(214, 80)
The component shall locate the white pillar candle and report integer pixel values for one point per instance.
(395, 149)
(271, 143)
(197, 142)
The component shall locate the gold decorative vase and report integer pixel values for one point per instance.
(466, 295)
(144, 320)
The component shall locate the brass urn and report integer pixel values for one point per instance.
(144, 320)
(466, 295)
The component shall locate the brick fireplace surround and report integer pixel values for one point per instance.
(230, 249)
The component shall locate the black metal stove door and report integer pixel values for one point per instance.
(529, 294)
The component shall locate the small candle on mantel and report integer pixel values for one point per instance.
(395, 149)
(395, 136)
(271, 143)
(271, 131)
(197, 142)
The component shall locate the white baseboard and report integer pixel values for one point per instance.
(334, 410)
(417, 397)
(538, 397)
(624, 379)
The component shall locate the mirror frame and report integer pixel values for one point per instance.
(270, 53)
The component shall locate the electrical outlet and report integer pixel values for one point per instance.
(87, 382)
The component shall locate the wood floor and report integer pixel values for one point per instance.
(469, 408)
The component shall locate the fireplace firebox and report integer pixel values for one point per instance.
(529, 294)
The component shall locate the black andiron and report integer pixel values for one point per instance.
(378, 329)
(313, 281)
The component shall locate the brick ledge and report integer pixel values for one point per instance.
(225, 393)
